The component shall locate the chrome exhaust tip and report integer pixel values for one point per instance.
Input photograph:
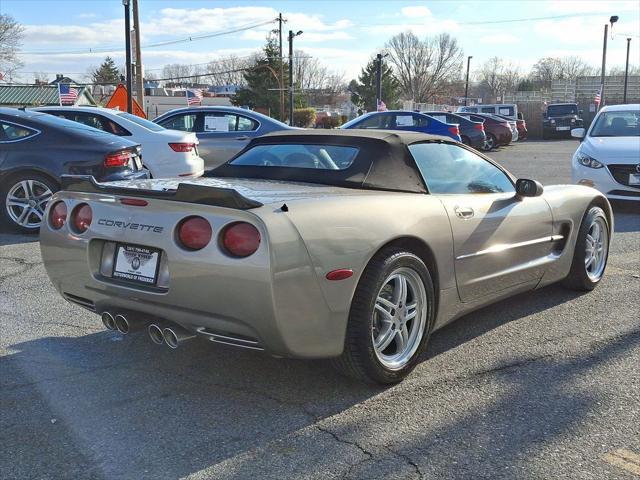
(155, 333)
(175, 335)
(122, 324)
(108, 321)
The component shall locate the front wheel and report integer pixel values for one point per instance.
(591, 252)
(390, 319)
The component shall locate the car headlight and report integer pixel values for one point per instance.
(587, 161)
(552, 121)
(573, 120)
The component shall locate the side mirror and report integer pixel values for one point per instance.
(578, 133)
(580, 112)
(528, 188)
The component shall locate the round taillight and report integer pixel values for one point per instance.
(240, 239)
(194, 233)
(81, 218)
(58, 215)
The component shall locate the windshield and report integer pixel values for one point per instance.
(617, 124)
(555, 110)
(154, 127)
(319, 157)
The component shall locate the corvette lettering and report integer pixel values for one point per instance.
(130, 225)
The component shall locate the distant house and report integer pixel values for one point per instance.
(39, 95)
(62, 79)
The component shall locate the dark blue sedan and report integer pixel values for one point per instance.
(406, 121)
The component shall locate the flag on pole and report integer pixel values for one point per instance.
(66, 94)
(381, 106)
(598, 98)
(194, 96)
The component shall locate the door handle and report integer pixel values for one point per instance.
(464, 212)
(242, 137)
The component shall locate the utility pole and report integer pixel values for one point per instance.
(280, 20)
(466, 85)
(378, 80)
(127, 42)
(291, 97)
(604, 64)
(626, 72)
(139, 79)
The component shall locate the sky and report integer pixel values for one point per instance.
(60, 35)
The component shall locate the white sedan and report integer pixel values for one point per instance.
(165, 153)
(608, 157)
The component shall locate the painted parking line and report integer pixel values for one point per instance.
(624, 459)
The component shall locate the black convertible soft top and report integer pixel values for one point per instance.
(383, 161)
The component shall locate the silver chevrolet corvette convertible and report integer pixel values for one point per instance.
(350, 245)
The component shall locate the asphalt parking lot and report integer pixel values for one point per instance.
(544, 385)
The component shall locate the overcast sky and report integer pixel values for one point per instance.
(343, 34)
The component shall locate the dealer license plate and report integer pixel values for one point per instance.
(563, 128)
(634, 179)
(138, 161)
(136, 264)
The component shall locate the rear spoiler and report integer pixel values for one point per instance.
(186, 192)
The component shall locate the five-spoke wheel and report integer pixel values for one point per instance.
(25, 199)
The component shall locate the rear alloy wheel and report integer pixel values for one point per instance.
(25, 198)
(591, 251)
(390, 319)
(490, 143)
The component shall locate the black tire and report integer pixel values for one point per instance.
(6, 221)
(578, 278)
(359, 359)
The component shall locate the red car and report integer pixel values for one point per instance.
(521, 125)
(497, 129)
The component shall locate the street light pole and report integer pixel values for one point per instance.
(127, 37)
(466, 86)
(378, 80)
(291, 98)
(604, 64)
(626, 72)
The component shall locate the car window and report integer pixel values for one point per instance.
(617, 124)
(100, 122)
(376, 121)
(185, 122)
(487, 110)
(442, 117)
(10, 132)
(219, 122)
(319, 157)
(143, 122)
(450, 169)
(245, 124)
(507, 111)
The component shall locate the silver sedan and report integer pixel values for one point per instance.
(222, 131)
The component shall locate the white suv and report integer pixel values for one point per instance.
(608, 157)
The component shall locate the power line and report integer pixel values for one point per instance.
(151, 45)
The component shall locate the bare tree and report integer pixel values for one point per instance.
(227, 71)
(571, 68)
(546, 70)
(11, 33)
(177, 73)
(40, 78)
(308, 72)
(424, 67)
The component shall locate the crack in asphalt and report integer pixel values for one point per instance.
(21, 262)
(368, 455)
(407, 459)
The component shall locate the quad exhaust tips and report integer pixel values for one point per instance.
(172, 335)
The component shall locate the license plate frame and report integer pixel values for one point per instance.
(563, 129)
(634, 179)
(127, 269)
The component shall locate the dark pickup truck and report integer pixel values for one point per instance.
(559, 119)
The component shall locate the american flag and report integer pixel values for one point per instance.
(598, 98)
(67, 94)
(194, 96)
(381, 106)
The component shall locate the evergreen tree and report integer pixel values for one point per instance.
(363, 91)
(261, 76)
(106, 73)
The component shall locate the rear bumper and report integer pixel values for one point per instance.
(114, 177)
(272, 298)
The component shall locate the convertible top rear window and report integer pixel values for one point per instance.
(291, 155)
